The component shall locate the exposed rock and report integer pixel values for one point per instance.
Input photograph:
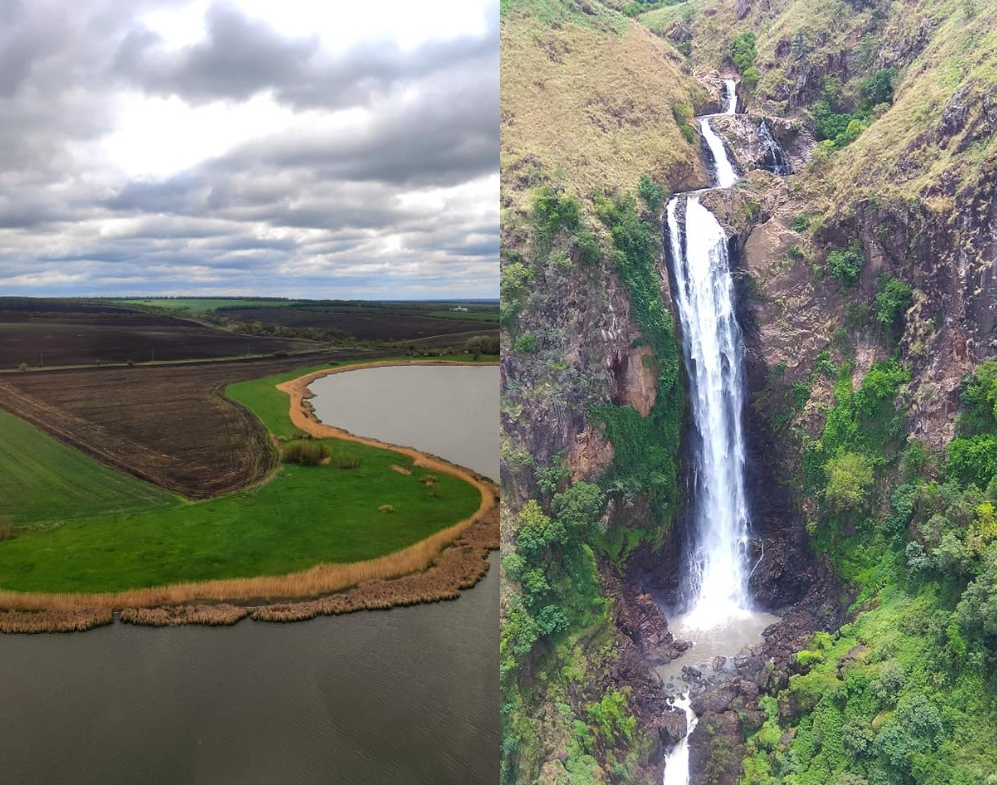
(589, 455)
(716, 700)
(674, 727)
(954, 117)
(716, 749)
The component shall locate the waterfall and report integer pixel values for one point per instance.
(724, 169)
(731, 87)
(775, 159)
(713, 351)
(677, 762)
(716, 579)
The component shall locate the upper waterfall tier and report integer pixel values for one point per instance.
(731, 87)
(726, 176)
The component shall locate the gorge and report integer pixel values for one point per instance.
(846, 182)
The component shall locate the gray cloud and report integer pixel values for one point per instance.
(301, 212)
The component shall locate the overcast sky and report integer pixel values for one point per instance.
(273, 147)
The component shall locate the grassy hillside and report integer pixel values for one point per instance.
(590, 98)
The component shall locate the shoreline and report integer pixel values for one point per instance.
(434, 569)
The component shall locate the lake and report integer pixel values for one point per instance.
(404, 696)
(447, 410)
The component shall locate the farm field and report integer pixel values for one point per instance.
(42, 480)
(202, 305)
(376, 321)
(303, 516)
(47, 333)
(170, 425)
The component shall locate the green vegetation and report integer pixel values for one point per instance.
(304, 516)
(743, 54)
(683, 115)
(307, 452)
(645, 447)
(561, 602)
(846, 264)
(905, 692)
(42, 480)
(893, 298)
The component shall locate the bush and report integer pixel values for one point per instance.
(892, 301)
(849, 478)
(386, 508)
(652, 193)
(973, 459)
(306, 452)
(743, 51)
(846, 264)
(344, 461)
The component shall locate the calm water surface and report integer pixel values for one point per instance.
(446, 410)
(402, 696)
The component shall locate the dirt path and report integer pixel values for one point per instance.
(436, 568)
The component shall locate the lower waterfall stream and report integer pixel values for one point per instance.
(717, 614)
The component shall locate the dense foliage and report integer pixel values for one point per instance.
(743, 54)
(645, 447)
(904, 693)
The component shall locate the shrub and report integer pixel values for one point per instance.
(743, 51)
(849, 477)
(652, 193)
(386, 508)
(846, 264)
(973, 459)
(341, 461)
(306, 452)
(892, 301)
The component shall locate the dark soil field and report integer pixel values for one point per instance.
(368, 321)
(170, 425)
(58, 333)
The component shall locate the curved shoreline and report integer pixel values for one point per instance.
(433, 569)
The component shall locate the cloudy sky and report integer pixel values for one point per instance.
(276, 147)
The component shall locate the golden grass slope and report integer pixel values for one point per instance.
(587, 98)
(940, 47)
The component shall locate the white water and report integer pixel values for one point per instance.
(720, 620)
(713, 352)
(726, 176)
(731, 86)
(780, 165)
(677, 762)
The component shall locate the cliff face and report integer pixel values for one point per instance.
(591, 103)
(887, 113)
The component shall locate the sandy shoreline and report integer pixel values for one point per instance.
(434, 569)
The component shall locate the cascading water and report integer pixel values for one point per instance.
(677, 770)
(722, 167)
(717, 571)
(731, 87)
(775, 158)
(717, 578)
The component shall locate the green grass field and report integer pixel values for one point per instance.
(42, 479)
(195, 305)
(304, 516)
